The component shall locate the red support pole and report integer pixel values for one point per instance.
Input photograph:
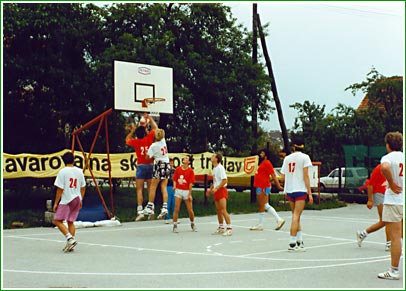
(102, 118)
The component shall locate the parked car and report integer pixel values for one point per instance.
(239, 183)
(351, 179)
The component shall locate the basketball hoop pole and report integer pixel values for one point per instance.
(102, 119)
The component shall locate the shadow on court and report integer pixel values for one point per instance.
(143, 255)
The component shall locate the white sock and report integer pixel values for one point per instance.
(68, 236)
(139, 208)
(272, 210)
(299, 236)
(261, 218)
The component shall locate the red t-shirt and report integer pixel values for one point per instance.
(141, 146)
(377, 180)
(261, 178)
(183, 178)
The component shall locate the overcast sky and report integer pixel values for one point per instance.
(318, 49)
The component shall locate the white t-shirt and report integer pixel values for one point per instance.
(70, 179)
(159, 151)
(396, 160)
(292, 168)
(219, 174)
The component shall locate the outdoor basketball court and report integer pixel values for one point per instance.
(148, 255)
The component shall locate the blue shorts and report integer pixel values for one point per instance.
(144, 171)
(267, 191)
(296, 196)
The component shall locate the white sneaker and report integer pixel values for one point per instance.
(389, 275)
(219, 230)
(70, 245)
(193, 226)
(280, 224)
(175, 228)
(148, 210)
(257, 227)
(292, 247)
(164, 212)
(387, 246)
(140, 216)
(360, 238)
(300, 246)
(228, 232)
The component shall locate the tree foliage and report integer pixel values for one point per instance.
(326, 133)
(58, 62)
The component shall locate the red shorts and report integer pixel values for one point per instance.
(68, 212)
(220, 194)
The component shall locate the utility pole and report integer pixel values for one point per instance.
(254, 119)
(273, 89)
(254, 61)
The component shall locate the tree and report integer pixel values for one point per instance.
(46, 77)
(58, 70)
(386, 95)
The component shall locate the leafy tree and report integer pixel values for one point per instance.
(58, 69)
(384, 94)
(46, 78)
(213, 73)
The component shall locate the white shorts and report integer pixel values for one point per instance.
(392, 213)
(182, 194)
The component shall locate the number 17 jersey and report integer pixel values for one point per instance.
(292, 168)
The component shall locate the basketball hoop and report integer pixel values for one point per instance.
(149, 101)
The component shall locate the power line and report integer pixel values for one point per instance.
(362, 10)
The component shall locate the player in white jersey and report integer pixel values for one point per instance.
(297, 187)
(220, 195)
(159, 152)
(392, 167)
(71, 186)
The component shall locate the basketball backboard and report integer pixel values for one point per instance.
(134, 82)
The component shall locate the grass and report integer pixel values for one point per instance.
(29, 207)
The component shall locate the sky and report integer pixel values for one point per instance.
(318, 49)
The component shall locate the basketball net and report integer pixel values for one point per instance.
(149, 102)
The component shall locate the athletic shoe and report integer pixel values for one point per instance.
(292, 247)
(360, 238)
(387, 246)
(280, 224)
(300, 246)
(193, 226)
(151, 216)
(164, 212)
(257, 227)
(389, 275)
(148, 210)
(140, 216)
(70, 245)
(228, 232)
(175, 228)
(66, 248)
(166, 221)
(219, 230)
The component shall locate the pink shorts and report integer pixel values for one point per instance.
(220, 194)
(68, 212)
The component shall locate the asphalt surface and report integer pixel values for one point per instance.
(148, 255)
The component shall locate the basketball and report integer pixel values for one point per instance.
(143, 121)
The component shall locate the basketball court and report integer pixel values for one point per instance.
(143, 255)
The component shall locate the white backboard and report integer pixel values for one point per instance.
(133, 82)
